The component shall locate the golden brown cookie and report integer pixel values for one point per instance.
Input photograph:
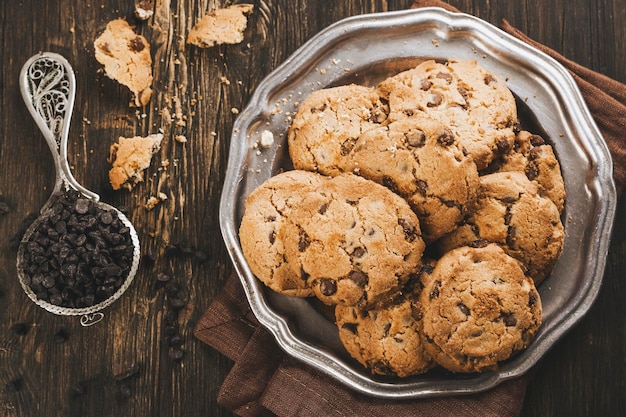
(511, 213)
(328, 124)
(387, 338)
(478, 309)
(422, 161)
(221, 26)
(532, 155)
(265, 211)
(354, 239)
(477, 106)
(126, 59)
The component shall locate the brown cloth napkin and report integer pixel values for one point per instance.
(264, 381)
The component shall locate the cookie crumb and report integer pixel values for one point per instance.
(267, 139)
(144, 10)
(221, 26)
(130, 157)
(181, 138)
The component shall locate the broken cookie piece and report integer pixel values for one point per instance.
(126, 59)
(221, 26)
(130, 157)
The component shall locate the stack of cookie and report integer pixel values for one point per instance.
(419, 209)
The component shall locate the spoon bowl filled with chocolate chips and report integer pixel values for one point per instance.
(80, 254)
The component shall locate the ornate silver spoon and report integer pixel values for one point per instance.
(80, 254)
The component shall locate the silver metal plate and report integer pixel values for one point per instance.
(365, 49)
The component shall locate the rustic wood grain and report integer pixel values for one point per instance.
(197, 94)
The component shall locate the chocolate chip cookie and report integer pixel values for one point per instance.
(265, 211)
(327, 125)
(387, 339)
(532, 155)
(478, 309)
(424, 162)
(354, 240)
(476, 105)
(511, 213)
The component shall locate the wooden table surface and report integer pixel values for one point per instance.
(59, 368)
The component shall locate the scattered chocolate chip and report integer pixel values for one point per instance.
(78, 389)
(163, 278)
(131, 371)
(172, 250)
(4, 208)
(176, 340)
(177, 354)
(20, 329)
(124, 390)
(201, 256)
(327, 287)
(176, 303)
(144, 9)
(172, 288)
(61, 336)
(14, 385)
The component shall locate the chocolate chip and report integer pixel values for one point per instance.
(410, 231)
(136, 44)
(360, 278)
(61, 336)
(509, 319)
(327, 287)
(351, 327)
(358, 252)
(503, 145)
(446, 138)
(272, 237)
(390, 183)
(510, 236)
(435, 100)
(323, 208)
(304, 276)
(416, 311)
(347, 146)
(124, 390)
(479, 243)
(415, 138)
(444, 76)
(163, 278)
(177, 354)
(464, 309)
(386, 328)
(4, 208)
(533, 297)
(422, 186)
(434, 293)
(126, 374)
(536, 140)
(78, 389)
(489, 79)
(425, 85)
(303, 241)
(14, 385)
(20, 329)
(382, 368)
(73, 249)
(378, 115)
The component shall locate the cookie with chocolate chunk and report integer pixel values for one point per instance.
(424, 162)
(532, 155)
(327, 125)
(354, 240)
(126, 59)
(265, 211)
(478, 309)
(387, 339)
(511, 213)
(476, 105)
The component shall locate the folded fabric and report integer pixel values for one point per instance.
(264, 381)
